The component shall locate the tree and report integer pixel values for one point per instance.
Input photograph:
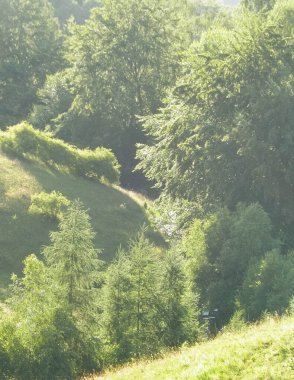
(117, 308)
(225, 133)
(144, 294)
(148, 302)
(80, 9)
(220, 251)
(259, 5)
(268, 285)
(74, 261)
(29, 49)
(179, 303)
(36, 332)
(132, 301)
(123, 57)
(53, 101)
(49, 330)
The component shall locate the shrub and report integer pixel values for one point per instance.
(90, 163)
(236, 323)
(220, 249)
(268, 285)
(23, 140)
(49, 204)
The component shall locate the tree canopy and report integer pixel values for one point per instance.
(225, 134)
(29, 49)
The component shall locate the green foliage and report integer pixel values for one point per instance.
(116, 215)
(54, 99)
(74, 261)
(23, 140)
(48, 329)
(173, 216)
(261, 351)
(35, 346)
(80, 9)
(131, 302)
(259, 5)
(219, 251)
(225, 133)
(121, 61)
(117, 305)
(50, 204)
(148, 303)
(179, 308)
(268, 285)
(206, 14)
(29, 49)
(236, 323)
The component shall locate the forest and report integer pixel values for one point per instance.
(146, 177)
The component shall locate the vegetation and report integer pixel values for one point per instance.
(48, 338)
(260, 351)
(220, 251)
(126, 50)
(146, 302)
(50, 204)
(26, 184)
(24, 141)
(30, 48)
(224, 134)
(199, 99)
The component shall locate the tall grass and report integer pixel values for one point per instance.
(263, 351)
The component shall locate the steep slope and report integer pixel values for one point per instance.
(264, 351)
(115, 215)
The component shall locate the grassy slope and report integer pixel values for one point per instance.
(264, 351)
(115, 215)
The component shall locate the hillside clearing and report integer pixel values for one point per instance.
(115, 216)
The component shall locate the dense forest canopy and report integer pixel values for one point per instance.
(224, 134)
(189, 101)
(30, 49)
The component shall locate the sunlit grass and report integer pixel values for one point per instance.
(264, 351)
(115, 215)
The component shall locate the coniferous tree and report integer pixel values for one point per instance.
(132, 300)
(74, 261)
(172, 288)
(179, 301)
(53, 314)
(145, 276)
(116, 307)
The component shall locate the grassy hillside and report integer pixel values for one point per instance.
(116, 216)
(264, 351)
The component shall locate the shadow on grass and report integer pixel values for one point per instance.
(115, 218)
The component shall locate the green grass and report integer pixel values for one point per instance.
(264, 351)
(115, 215)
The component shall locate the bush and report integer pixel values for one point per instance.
(49, 204)
(269, 285)
(236, 323)
(23, 140)
(90, 163)
(220, 249)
